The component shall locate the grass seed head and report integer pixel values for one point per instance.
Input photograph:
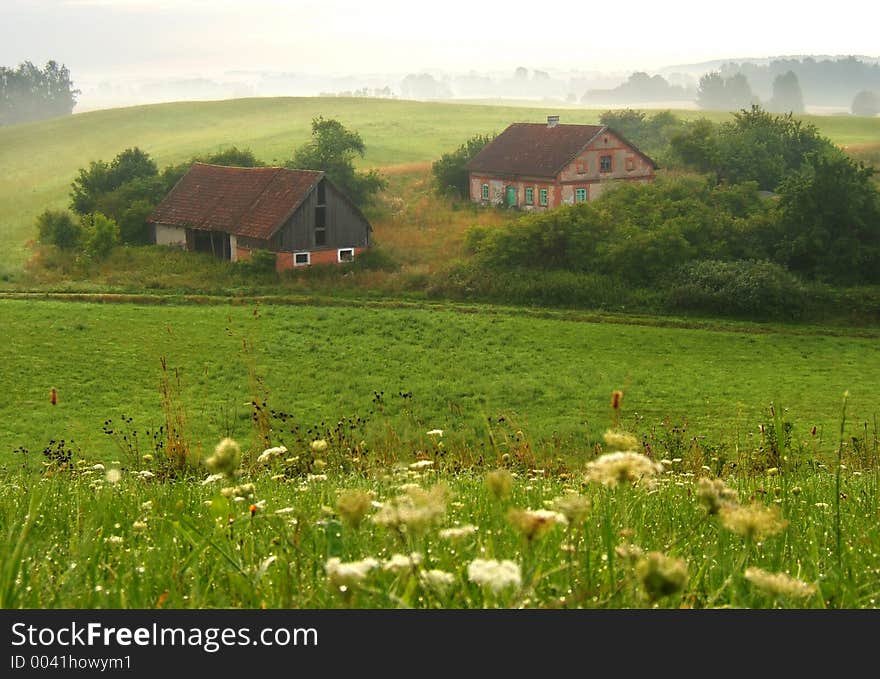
(715, 495)
(620, 440)
(779, 585)
(573, 506)
(661, 575)
(533, 523)
(613, 469)
(500, 483)
(353, 505)
(225, 459)
(753, 522)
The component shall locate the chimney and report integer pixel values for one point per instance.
(552, 121)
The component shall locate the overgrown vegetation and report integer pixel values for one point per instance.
(450, 174)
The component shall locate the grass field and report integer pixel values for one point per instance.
(409, 537)
(39, 160)
(481, 376)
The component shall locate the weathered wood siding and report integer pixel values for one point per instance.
(344, 226)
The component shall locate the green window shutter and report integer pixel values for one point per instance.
(530, 196)
(485, 192)
(580, 195)
(542, 196)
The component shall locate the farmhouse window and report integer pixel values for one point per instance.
(630, 163)
(320, 236)
(580, 195)
(320, 217)
(301, 259)
(530, 196)
(581, 166)
(542, 197)
(485, 192)
(346, 255)
(605, 164)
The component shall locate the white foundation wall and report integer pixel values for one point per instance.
(170, 235)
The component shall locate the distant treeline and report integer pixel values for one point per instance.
(829, 82)
(28, 93)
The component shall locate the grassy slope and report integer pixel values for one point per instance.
(550, 378)
(39, 160)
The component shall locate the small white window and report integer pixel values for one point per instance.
(301, 259)
(346, 255)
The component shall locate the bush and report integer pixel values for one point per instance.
(55, 227)
(260, 262)
(101, 235)
(374, 259)
(742, 288)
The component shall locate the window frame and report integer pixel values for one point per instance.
(581, 191)
(630, 163)
(484, 192)
(610, 159)
(308, 256)
(530, 195)
(339, 255)
(543, 197)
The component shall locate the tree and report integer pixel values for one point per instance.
(724, 94)
(830, 220)
(652, 134)
(333, 149)
(59, 229)
(29, 93)
(711, 92)
(787, 95)
(755, 146)
(866, 103)
(450, 175)
(101, 235)
(93, 184)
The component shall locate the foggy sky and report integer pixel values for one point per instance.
(208, 37)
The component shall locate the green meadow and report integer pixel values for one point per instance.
(484, 375)
(38, 161)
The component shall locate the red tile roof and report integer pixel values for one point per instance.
(245, 201)
(533, 149)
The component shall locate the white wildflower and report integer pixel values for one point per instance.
(401, 563)
(348, 573)
(437, 580)
(144, 474)
(271, 453)
(457, 532)
(113, 475)
(435, 432)
(421, 464)
(495, 575)
(213, 478)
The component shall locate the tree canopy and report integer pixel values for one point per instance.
(787, 95)
(333, 149)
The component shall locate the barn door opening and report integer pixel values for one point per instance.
(510, 199)
(215, 242)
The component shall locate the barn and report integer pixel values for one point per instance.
(533, 166)
(300, 215)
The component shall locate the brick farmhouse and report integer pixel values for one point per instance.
(232, 211)
(533, 166)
